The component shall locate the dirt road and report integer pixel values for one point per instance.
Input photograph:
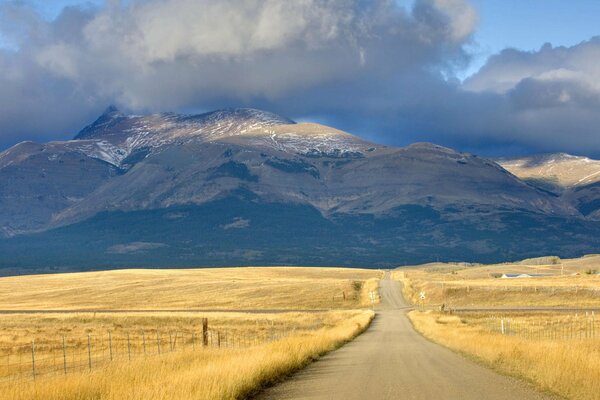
(392, 361)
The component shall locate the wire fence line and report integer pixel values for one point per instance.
(449, 287)
(65, 355)
(571, 328)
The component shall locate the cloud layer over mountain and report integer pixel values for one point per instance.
(371, 67)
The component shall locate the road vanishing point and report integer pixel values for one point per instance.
(392, 361)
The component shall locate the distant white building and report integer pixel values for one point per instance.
(515, 276)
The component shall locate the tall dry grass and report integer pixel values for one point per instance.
(210, 374)
(568, 368)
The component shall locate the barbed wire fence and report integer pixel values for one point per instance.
(449, 288)
(573, 327)
(67, 355)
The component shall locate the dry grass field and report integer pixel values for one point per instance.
(206, 374)
(557, 351)
(547, 350)
(206, 289)
(141, 330)
(555, 283)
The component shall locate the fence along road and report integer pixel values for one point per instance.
(392, 361)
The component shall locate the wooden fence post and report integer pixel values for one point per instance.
(33, 358)
(64, 348)
(218, 339)
(144, 341)
(89, 354)
(110, 345)
(128, 347)
(205, 332)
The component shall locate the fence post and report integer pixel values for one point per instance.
(33, 358)
(64, 349)
(128, 347)
(502, 326)
(171, 342)
(218, 339)
(144, 341)
(89, 354)
(158, 342)
(110, 345)
(205, 332)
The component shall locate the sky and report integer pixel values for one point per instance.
(496, 78)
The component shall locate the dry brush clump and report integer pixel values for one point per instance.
(208, 374)
(569, 368)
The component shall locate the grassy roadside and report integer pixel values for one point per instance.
(569, 369)
(210, 374)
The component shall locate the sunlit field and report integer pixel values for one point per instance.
(553, 283)
(552, 350)
(225, 373)
(76, 336)
(209, 288)
(558, 351)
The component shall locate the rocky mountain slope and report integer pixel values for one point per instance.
(247, 186)
(576, 179)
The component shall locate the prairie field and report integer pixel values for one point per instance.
(245, 288)
(226, 373)
(542, 331)
(552, 283)
(90, 335)
(551, 350)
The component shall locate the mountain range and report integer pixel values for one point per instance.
(249, 187)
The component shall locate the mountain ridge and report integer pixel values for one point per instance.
(123, 167)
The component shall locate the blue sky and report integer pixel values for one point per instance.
(382, 70)
(528, 24)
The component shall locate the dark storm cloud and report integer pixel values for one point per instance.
(191, 55)
(370, 67)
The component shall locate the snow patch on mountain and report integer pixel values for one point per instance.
(307, 139)
(114, 136)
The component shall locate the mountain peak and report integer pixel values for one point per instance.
(109, 118)
(111, 110)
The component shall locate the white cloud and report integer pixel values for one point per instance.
(506, 70)
(371, 67)
(202, 54)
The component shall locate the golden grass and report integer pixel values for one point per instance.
(457, 285)
(207, 374)
(17, 329)
(568, 368)
(208, 288)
